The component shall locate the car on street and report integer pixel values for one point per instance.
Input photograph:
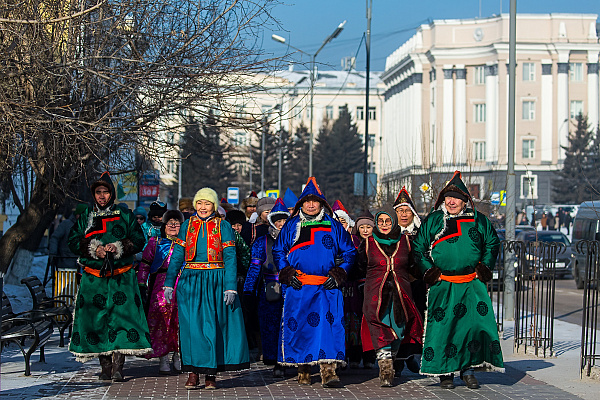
(564, 261)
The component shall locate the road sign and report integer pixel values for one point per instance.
(233, 195)
(273, 193)
(503, 198)
(424, 187)
(495, 198)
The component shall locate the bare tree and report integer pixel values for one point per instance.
(93, 85)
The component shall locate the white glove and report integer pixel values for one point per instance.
(168, 294)
(229, 297)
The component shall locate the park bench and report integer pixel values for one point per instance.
(18, 328)
(56, 307)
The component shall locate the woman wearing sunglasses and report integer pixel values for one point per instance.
(390, 315)
(163, 322)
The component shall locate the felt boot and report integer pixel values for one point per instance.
(386, 372)
(164, 368)
(304, 375)
(177, 362)
(106, 364)
(329, 378)
(117, 367)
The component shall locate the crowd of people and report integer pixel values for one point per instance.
(294, 282)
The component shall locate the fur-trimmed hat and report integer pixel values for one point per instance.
(340, 212)
(208, 194)
(279, 211)
(173, 214)
(106, 181)
(264, 204)
(235, 217)
(185, 202)
(157, 209)
(404, 199)
(312, 192)
(455, 185)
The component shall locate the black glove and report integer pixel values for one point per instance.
(289, 276)
(330, 283)
(295, 282)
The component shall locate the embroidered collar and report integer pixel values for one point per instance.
(309, 218)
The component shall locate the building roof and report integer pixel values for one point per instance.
(332, 79)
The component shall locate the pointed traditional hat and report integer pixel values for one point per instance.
(312, 192)
(455, 185)
(290, 199)
(278, 212)
(404, 199)
(340, 212)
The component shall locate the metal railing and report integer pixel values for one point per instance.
(495, 288)
(535, 294)
(591, 305)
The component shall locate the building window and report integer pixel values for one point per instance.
(528, 148)
(371, 140)
(360, 113)
(372, 113)
(480, 75)
(529, 186)
(298, 112)
(307, 112)
(239, 139)
(329, 112)
(480, 112)
(528, 72)
(171, 167)
(529, 110)
(479, 151)
(343, 109)
(576, 108)
(576, 72)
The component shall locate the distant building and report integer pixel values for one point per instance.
(446, 102)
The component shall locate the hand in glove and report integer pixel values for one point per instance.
(337, 277)
(289, 276)
(330, 283)
(229, 297)
(168, 294)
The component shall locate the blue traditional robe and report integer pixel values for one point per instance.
(312, 328)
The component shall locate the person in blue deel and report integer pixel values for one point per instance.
(313, 253)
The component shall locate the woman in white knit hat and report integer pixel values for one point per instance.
(211, 324)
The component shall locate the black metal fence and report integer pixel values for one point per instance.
(495, 288)
(591, 305)
(534, 294)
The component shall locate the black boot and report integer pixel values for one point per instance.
(447, 381)
(117, 367)
(106, 364)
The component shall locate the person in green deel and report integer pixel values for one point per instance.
(109, 319)
(456, 248)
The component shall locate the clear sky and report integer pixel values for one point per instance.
(306, 23)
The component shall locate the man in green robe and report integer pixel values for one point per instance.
(456, 248)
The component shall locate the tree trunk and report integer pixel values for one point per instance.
(29, 229)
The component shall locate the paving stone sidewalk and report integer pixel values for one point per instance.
(62, 378)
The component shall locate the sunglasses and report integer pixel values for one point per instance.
(140, 218)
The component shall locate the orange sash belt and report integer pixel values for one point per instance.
(311, 279)
(118, 271)
(459, 278)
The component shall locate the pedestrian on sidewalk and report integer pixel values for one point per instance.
(409, 222)
(262, 282)
(109, 319)
(163, 323)
(313, 253)
(456, 248)
(390, 314)
(211, 325)
(353, 291)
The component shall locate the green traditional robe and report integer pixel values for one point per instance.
(460, 330)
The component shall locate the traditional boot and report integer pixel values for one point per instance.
(210, 382)
(386, 372)
(278, 371)
(192, 382)
(329, 378)
(164, 368)
(106, 364)
(304, 375)
(117, 367)
(177, 362)
(447, 381)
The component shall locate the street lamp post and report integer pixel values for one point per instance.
(329, 38)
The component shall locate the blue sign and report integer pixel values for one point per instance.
(495, 198)
(233, 195)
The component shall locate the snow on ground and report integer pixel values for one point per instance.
(19, 296)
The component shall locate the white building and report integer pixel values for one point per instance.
(446, 101)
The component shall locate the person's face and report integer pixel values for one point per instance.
(237, 228)
(279, 223)
(263, 215)
(384, 223)
(250, 208)
(140, 219)
(172, 228)
(454, 205)
(157, 219)
(187, 210)
(102, 196)
(405, 216)
(204, 208)
(344, 223)
(365, 231)
(311, 207)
